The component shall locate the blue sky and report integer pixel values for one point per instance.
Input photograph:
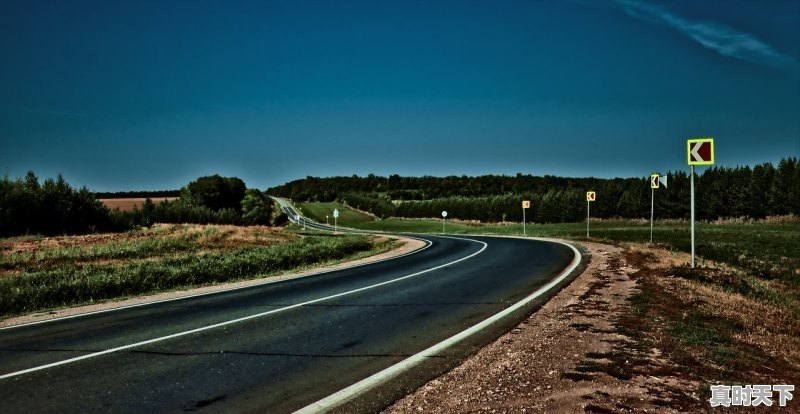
(136, 95)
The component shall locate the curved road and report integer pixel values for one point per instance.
(276, 347)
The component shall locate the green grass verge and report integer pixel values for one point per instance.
(73, 284)
(347, 217)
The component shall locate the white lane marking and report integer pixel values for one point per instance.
(226, 290)
(233, 321)
(368, 383)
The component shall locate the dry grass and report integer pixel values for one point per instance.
(713, 324)
(219, 234)
(127, 204)
(41, 273)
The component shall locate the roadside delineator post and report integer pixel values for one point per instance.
(700, 151)
(444, 218)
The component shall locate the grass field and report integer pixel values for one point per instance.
(347, 216)
(40, 273)
(127, 204)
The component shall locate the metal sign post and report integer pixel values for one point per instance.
(691, 197)
(656, 180)
(653, 185)
(300, 218)
(525, 205)
(590, 196)
(444, 218)
(652, 204)
(700, 151)
(335, 218)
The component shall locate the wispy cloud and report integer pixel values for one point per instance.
(720, 38)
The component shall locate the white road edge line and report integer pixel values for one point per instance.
(428, 244)
(233, 321)
(370, 382)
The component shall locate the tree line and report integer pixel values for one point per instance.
(50, 207)
(53, 207)
(721, 192)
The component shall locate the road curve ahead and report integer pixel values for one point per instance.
(276, 347)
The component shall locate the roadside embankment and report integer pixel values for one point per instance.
(111, 270)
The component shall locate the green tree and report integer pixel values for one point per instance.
(148, 210)
(215, 193)
(51, 208)
(256, 207)
(784, 175)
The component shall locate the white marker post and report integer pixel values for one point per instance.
(298, 217)
(699, 152)
(444, 218)
(335, 218)
(590, 196)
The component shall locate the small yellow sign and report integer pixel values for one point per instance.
(700, 151)
(591, 196)
(526, 204)
(655, 180)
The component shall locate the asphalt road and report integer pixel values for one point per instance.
(271, 348)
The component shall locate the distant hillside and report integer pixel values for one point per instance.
(757, 192)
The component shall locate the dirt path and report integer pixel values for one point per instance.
(542, 365)
(408, 245)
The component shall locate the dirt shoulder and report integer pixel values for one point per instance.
(407, 245)
(637, 331)
(524, 370)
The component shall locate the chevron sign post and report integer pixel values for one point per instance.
(699, 151)
(590, 196)
(656, 180)
(526, 204)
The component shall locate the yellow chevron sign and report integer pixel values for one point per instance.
(655, 181)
